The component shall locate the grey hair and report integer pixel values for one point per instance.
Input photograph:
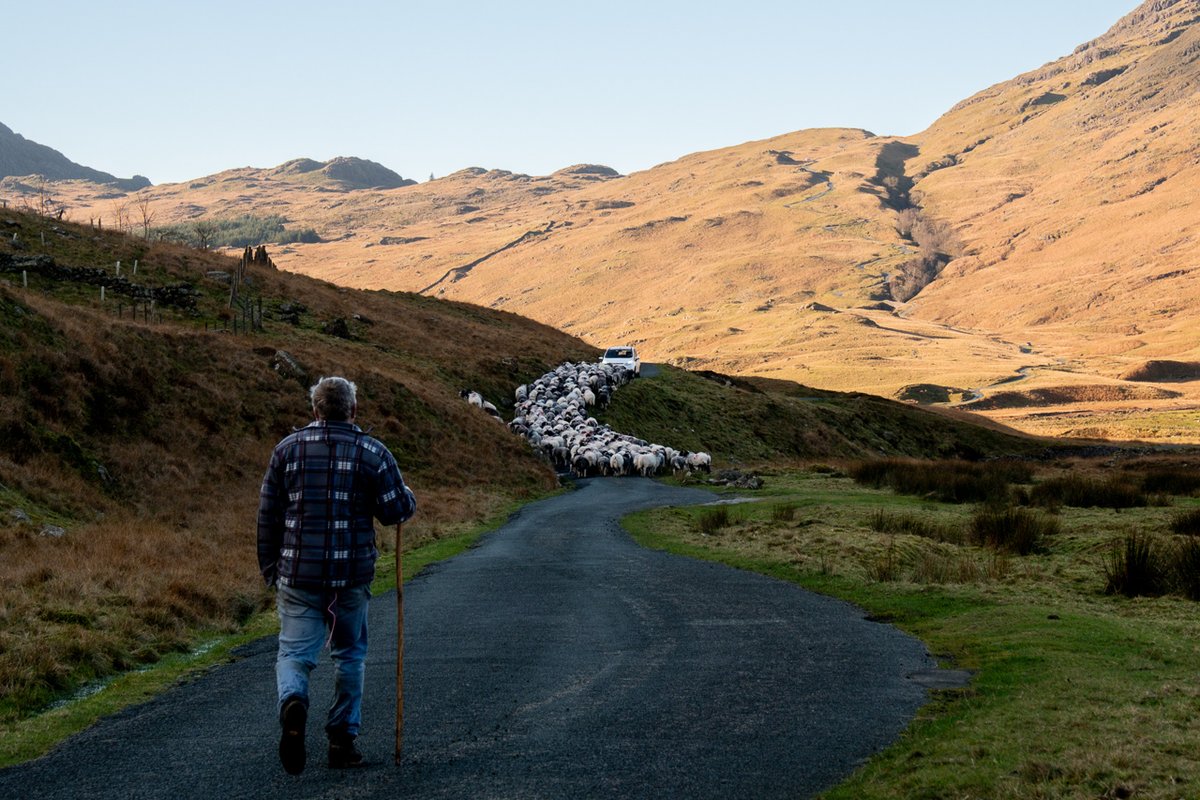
(334, 398)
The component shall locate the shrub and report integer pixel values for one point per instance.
(942, 568)
(884, 567)
(1014, 530)
(1011, 471)
(783, 512)
(1171, 480)
(1134, 568)
(1117, 491)
(875, 472)
(1184, 568)
(713, 520)
(913, 525)
(948, 481)
(1187, 523)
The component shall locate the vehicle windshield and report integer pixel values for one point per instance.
(619, 352)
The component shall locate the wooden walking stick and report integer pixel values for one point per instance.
(399, 642)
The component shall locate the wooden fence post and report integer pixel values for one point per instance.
(399, 643)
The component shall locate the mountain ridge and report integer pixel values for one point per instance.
(21, 157)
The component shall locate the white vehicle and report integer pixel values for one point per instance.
(623, 357)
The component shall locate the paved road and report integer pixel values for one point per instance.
(556, 660)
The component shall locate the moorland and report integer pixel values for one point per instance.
(1029, 256)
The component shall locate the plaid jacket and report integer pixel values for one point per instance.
(325, 484)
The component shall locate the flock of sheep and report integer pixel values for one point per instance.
(554, 415)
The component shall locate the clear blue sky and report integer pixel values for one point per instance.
(176, 90)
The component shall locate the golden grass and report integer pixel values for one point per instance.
(1076, 220)
(146, 442)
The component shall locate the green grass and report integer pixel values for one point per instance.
(1075, 694)
(750, 420)
(913, 524)
(33, 736)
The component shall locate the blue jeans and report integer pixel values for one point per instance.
(307, 620)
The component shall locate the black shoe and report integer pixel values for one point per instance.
(344, 754)
(291, 741)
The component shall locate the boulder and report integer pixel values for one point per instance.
(287, 366)
(736, 479)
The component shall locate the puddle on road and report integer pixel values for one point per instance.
(713, 623)
(941, 678)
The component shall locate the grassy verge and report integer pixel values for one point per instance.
(751, 420)
(33, 736)
(1076, 694)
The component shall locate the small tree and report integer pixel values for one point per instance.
(205, 230)
(146, 213)
(44, 201)
(120, 213)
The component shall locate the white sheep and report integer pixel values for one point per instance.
(553, 412)
(646, 464)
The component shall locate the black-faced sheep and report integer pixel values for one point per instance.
(476, 399)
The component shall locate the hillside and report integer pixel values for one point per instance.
(1071, 188)
(21, 157)
(768, 258)
(134, 436)
(1037, 241)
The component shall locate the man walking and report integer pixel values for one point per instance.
(316, 543)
